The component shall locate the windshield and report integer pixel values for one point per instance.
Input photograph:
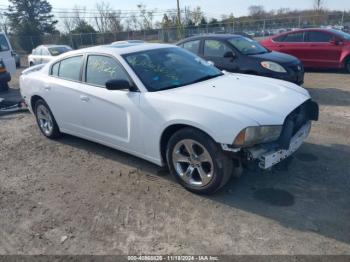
(247, 46)
(165, 68)
(57, 50)
(344, 35)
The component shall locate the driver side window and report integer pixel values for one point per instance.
(215, 48)
(100, 69)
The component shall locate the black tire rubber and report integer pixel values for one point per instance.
(31, 64)
(56, 131)
(223, 165)
(4, 86)
(347, 65)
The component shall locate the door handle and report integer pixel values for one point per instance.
(84, 98)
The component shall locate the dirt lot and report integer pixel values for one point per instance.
(72, 196)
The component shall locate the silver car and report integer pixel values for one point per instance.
(45, 53)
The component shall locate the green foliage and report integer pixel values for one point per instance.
(30, 18)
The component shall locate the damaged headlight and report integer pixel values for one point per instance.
(257, 135)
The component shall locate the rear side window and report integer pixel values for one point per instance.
(294, 37)
(192, 46)
(279, 38)
(70, 68)
(100, 69)
(4, 45)
(315, 36)
(215, 48)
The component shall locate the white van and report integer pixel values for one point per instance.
(7, 54)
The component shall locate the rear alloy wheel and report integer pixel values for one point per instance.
(197, 162)
(46, 121)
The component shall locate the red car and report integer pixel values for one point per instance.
(316, 48)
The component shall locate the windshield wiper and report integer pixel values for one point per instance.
(204, 78)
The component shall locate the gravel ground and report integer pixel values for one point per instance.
(72, 196)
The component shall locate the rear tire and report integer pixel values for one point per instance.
(197, 162)
(45, 120)
(347, 65)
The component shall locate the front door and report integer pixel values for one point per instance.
(215, 51)
(109, 116)
(323, 52)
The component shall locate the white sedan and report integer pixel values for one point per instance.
(168, 106)
(45, 53)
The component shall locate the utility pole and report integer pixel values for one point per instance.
(178, 20)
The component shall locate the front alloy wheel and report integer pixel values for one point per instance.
(197, 162)
(193, 163)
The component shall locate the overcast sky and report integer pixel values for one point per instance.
(212, 8)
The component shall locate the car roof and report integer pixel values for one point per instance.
(331, 31)
(47, 46)
(213, 36)
(120, 49)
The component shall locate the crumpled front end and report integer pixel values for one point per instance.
(296, 129)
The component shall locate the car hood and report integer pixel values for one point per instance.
(259, 99)
(277, 57)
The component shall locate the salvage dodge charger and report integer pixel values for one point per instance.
(168, 106)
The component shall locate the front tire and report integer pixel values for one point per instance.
(45, 120)
(197, 162)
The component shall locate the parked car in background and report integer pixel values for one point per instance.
(169, 106)
(235, 53)
(45, 53)
(7, 62)
(316, 48)
(128, 42)
(7, 54)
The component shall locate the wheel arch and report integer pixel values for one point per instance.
(33, 100)
(169, 131)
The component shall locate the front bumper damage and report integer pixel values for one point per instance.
(296, 128)
(267, 157)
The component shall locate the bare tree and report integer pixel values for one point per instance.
(197, 15)
(4, 23)
(147, 16)
(114, 22)
(103, 16)
(256, 11)
(318, 5)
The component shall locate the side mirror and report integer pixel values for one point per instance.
(335, 42)
(118, 84)
(229, 54)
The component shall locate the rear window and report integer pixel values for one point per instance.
(192, 46)
(57, 50)
(4, 45)
(69, 68)
(294, 37)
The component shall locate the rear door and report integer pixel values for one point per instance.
(6, 54)
(322, 52)
(62, 92)
(215, 50)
